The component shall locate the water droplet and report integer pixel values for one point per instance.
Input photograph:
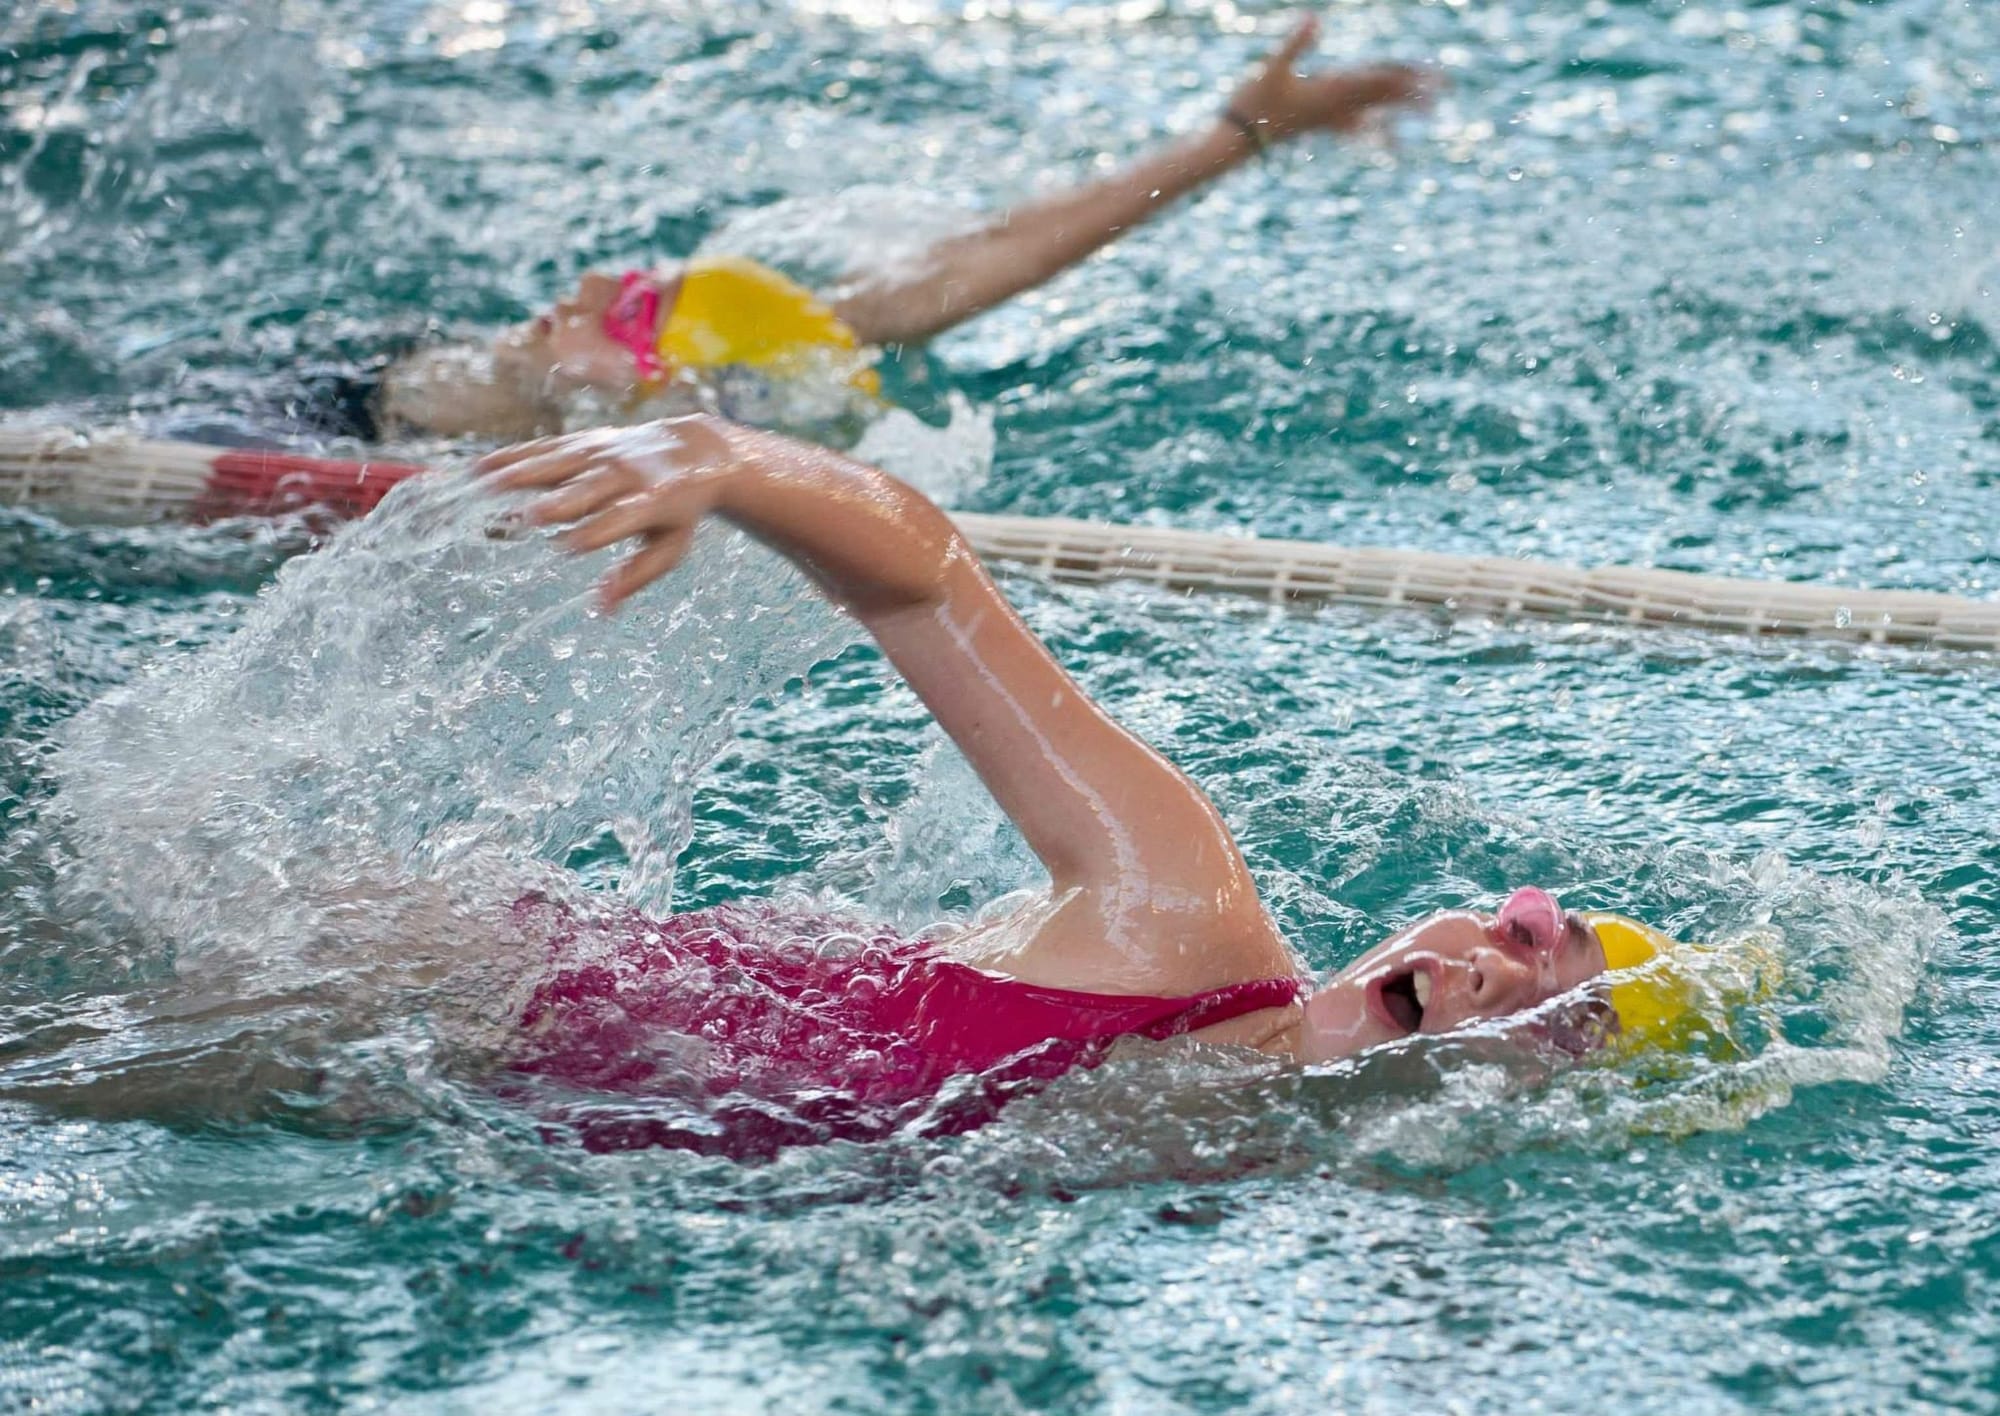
(863, 988)
(839, 948)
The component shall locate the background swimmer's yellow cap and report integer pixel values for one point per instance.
(734, 311)
(1658, 1001)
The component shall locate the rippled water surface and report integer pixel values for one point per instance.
(1669, 283)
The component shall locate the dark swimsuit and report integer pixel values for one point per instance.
(322, 403)
(340, 402)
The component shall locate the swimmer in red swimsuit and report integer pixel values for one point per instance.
(1152, 925)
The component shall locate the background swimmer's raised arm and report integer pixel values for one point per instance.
(531, 369)
(965, 275)
(1151, 893)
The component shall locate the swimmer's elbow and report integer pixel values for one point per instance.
(875, 544)
(930, 569)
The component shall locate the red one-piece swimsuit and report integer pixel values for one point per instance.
(741, 1029)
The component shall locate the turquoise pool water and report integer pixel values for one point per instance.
(1680, 284)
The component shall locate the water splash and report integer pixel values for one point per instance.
(420, 694)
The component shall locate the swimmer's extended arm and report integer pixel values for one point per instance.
(1152, 893)
(965, 275)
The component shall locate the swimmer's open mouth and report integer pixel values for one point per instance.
(1402, 997)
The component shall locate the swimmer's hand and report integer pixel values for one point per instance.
(1280, 103)
(873, 544)
(963, 275)
(652, 483)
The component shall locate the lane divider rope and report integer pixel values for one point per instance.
(138, 479)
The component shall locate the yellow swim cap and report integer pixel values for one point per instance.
(1657, 998)
(733, 311)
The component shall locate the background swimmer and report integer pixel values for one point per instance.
(519, 386)
(1152, 924)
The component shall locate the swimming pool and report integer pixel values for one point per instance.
(1661, 283)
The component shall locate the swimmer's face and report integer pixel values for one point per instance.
(1455, 968)
(567, 347)
(594, 294)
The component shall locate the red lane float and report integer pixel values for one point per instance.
(129, 478)
(272, 483)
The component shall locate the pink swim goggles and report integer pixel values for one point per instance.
(634, 321)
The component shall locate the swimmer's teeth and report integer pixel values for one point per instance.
(1420, 984)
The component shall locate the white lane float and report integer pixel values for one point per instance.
(112, 474)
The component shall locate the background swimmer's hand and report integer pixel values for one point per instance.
(653, 484)
(1027, 244)
(1280, 103)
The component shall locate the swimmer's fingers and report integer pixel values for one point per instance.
(657, 511)
(1279, 101)
(1304, 33)
(547, 464)
(585, 493)
(661, 552)
(502, 458)
(664, 447)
